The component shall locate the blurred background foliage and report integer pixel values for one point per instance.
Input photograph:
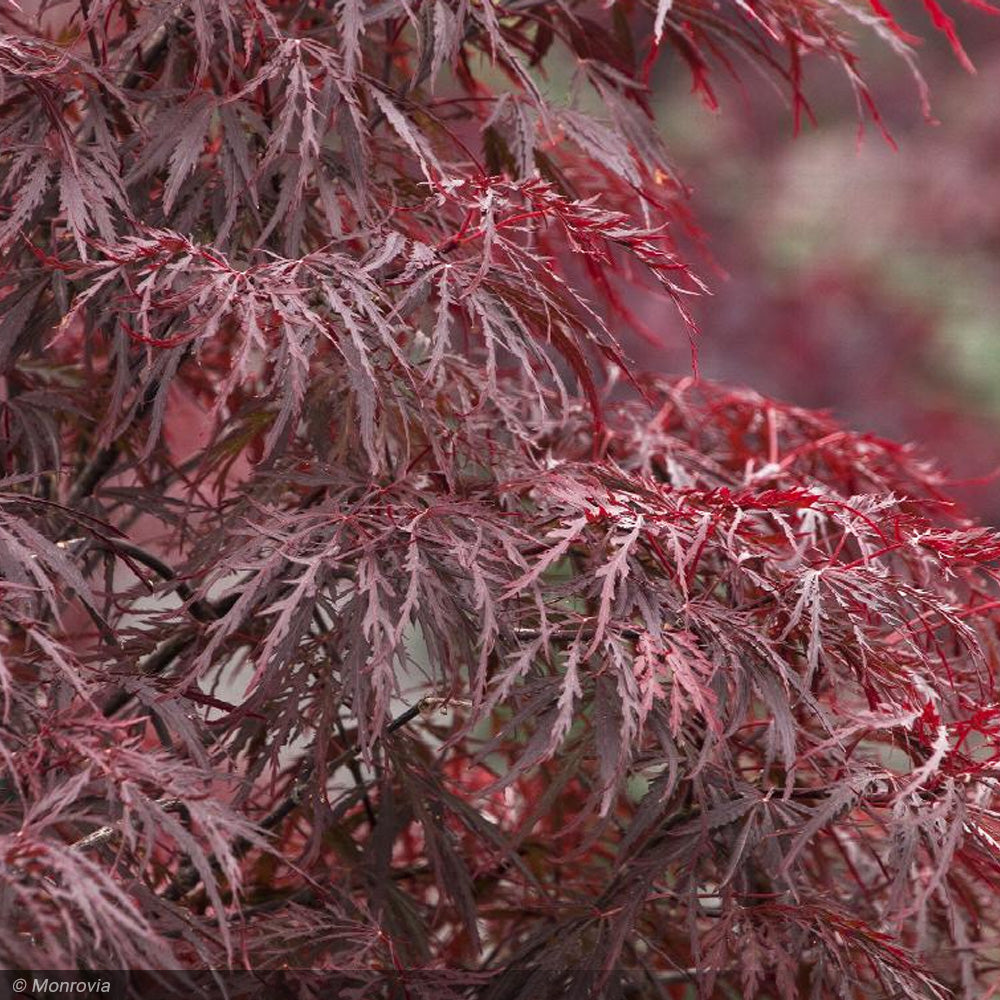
(847, 275)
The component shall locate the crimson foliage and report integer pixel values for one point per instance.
(356, 618)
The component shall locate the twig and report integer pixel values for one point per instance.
(156, 664)
(202, 610)
(93, 472)
(170, 650)
(106, 833)
(95, 49)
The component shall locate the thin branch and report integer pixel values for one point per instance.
(202, 610)
(95, 49)
(106, 833)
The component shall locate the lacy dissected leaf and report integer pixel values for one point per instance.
(364, 609)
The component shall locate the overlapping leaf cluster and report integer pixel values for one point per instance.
(356, 618)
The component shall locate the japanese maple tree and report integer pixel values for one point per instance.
(365, 610)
